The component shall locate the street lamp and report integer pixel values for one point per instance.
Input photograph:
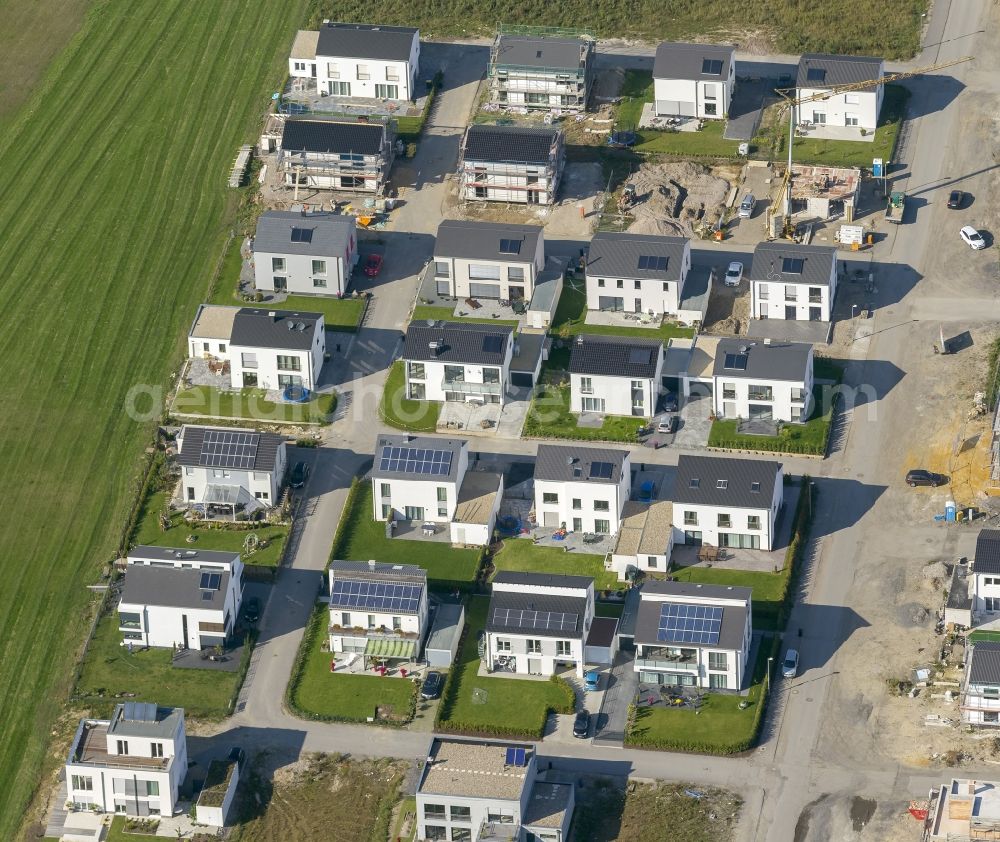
(854, 310)
(767, 690)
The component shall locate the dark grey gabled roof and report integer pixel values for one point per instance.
(543, 53)
(173, 587)
(515, 601)
(509, 144)
(362, 40)
(319, 234)
(687, 61)
(615, 356)
(569, 463)
(757, 360)
(734, 617)
(987, 558)
(330, 136)
(828, 70)
(617, 254)
(711, 481)
(768, 263)
(192, 439)
(458, 342)
(256, 328)
(984, 663)
(481, 240)
(418, 443)
(542, 580)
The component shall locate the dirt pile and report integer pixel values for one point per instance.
(676, 199)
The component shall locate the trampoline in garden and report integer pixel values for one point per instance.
(510, 525)
(295, 394)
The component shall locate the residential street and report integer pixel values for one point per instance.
(818, 746)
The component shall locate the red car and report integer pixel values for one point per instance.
(373, 265)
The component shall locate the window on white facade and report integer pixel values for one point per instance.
(992, 604)
(791, 292)
(460, 814)
(577, 503)
(851, 119)
(249, 360)
(319, 267)
(362, 72)
(277, 264)
(651, 561)
(435, 832)
(534, 647)
(762, 292)
(718, 661)
(729, 391)
(397, 623)
(586, 385)
(515, 274)
(550, 497)
(483, 272)
(122, 746)
(562, 647)
(156, 749)
(392, 73)
(494, 816)
(718, 681)
(620, 284)
(345, 619)
(666, 286)
(371, 621)
(287, 363)
(387, 91)
(340, 89)
(442, 269)
(602, 527)
(592, 404)
(753, 521)
(852, 99)
(434, 811)
(300, 65)
(417, 371)
(461, 834)
(725, 521)
(638, 284)
(602, 506)
(690, 518)
(333, 70)
(600, 282)
(503, 645)
(319, 282)
(83, 783)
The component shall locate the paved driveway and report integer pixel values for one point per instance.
(784, 330)
(749, 100)
(619, 692)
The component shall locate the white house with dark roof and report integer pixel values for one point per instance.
(368, 61)
(490, 260)
(974, 595)
(980, 699)
(793, 282)
(615, 375)
(763, 380)
(693, 635)
(517, 164)
(637, 273)
(180, 599)
(489, 790)
(538, 622)
(458, 361)
(693, 80)
(231, 467)
(548, 72)
(426, 481)
(265, 349)
(305, 254)
(819, 73)
(133, 763)
(725, 502)
(378, 610)
(581, 489)
(343, 155)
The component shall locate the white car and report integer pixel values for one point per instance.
(734, 274)
(747, 206)
(972, 237)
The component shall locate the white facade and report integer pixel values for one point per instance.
(432, 499)
(489, 277)
(432, 380)
(348, 76)
(637, 295)
(307, 274)
(210, 812)
(857, 108)
(790, 296)
(583, 506)
(609, 395)
(736, 395)
(707, 99)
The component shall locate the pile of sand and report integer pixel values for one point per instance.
(675, 199)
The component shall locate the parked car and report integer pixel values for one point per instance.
(918, 476)
(299, 474)
(734, 274)
(431, 688)
(790, 666)
(747, 205)
(592, 680)
(667, 424)
(956, 198)
(972, 238)
(251, 609)
(373, 265)
(668, 402)
(581, 725)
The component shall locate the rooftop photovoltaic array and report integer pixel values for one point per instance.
(210, 581)
(228, 449)
(639, 356)
(139, 712)
(711, 66)
(302, 235)
(601, 470)
(492, 344)
(658, 264)
(516, 756)
(792, 265)
(527, 619)
(510, 247)
(379, 596)
(413, 460)
(735, 362)
(681, 623)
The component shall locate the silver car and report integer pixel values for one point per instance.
(790, 666)
(747, 206)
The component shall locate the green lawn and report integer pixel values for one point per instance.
(364, 538)
(407, 807)
(109, 669)
(204, 401)
(637, 89)
(810, 437)
(522, 554)
(148, 531)
(341, 314)
(571, 315)
(116, 833)
(224, 291)
(984, 637)
(549, 417)
(402, 413)
(489, 705)
(768, 589)
(608, 609)
(423, 312)
(114, 217)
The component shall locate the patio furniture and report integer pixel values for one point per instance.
(428, 529)
(473, 304)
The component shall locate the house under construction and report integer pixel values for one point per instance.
(512, 164)
(541, 68)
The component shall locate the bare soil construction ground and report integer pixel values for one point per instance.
(679, 199)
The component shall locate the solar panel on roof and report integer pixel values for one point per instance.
(792, 265)
(736, 362)
(380, 596)
(639, 356)
(229, 449)
(210, 581)
(685, 623)
(139, 712)
(652, 262)
(601, 470)
(415, 460)
(510, 247)
(302, 235)
(492, 344)
(528, 619)
(711, 66)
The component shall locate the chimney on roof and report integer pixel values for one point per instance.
(579, 340)
(767, 340)
(273, 314)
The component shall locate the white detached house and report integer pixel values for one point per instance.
(488, 260)
(763, 381)
(693, 80)
(581, 489)
(615, 375)
(793, 282)
(818, 73)
(306, 254)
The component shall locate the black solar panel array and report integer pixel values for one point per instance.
(414, 460)
(528, 619)
(601, 470)
(210, 581)
(652, 262)
(378, 596)
(229, 449)
(684, 623)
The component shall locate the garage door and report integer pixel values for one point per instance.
(521, 378)
(484, 290)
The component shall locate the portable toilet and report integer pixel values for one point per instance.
(949, 511)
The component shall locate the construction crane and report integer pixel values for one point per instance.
(792, 106)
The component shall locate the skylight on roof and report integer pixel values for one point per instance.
(755, 487)
(816, 74)
(792, 265)
(711, 66)
(510, 247)
(694, 483)
(722, 484)
(653, 263)
(601, 470)
(302, 235)
(735, 362)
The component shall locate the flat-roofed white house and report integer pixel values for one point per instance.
(725, 502)
(980, 702)
(637, 273)
(518, 164)
(340, 154)
(367, 61)
(538, 622)
(763, 380)
(265, 349)
(693, 635)
(581, 489)
(793, 282)
(378, 610)
(693, 80)
(615, 375)
(180, 599)
(550, 72)
(458, 361)
(487, 790)
(489, 260)
(133, 763)
(425, 481)
(818, 73)
(305, 254)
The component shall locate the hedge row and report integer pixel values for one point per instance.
(339, 537)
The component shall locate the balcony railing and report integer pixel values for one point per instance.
(815, 299)
(671, 666)
(471, 388)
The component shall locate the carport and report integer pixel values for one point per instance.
(530, 350)
(602, 642)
